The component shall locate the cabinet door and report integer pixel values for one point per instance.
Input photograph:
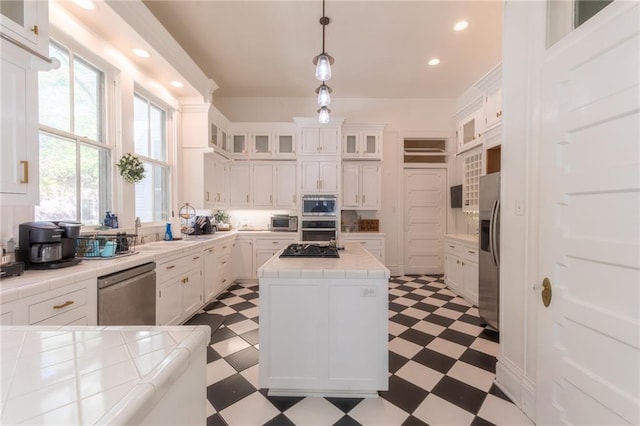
(219, 184)
(261, 145)
(168, 303)
(370, 186)
(239, 185)
(262, 189)
(22, 20)
(285, 186)
(453, 271)
(243, 259)
(285, 145)
(371, 145)
(210, 276)
(329, 143)
(470, 280)
(310, 171)
(262, 256)
(329, 177)
(350, 144)
(239, 144)
(310, 143)
(350, 187)
(493, 108)
(191, 292)
(19, 132)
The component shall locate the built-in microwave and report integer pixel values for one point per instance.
(319, 205)
(284, 222)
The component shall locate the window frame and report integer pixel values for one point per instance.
(107, 122)
(153, 100)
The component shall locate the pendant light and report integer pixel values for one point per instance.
(323, 63)
(324, 97)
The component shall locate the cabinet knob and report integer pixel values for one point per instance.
(35, 30)
(64, 305)
(25, 171)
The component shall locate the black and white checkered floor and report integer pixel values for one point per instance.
(441, 365)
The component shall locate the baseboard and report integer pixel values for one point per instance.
(520, 389)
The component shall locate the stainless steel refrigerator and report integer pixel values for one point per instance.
(489, 266)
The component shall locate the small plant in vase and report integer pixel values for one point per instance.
(131, 168)
(222, 220)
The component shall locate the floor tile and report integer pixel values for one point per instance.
(345, 404)
(474, 376)
(229, 391)
(429, 328)
(313, 412)
(404, 320)
(404, 394)
(396, 361)
(396, 328)
(243, 359)
(479, 359)
(283, 403)
(280, 420)
(252, 375)
(464, 327)
(436, 411)
(219, 370)
(229, 346)
(440, 320)
(413, 421)
(486, 346)
(243, 326)
(461, 394)
(251, 337)
(448, 313)
(419, 375)
(434, 360)
(446, 347)
(223, 333)
(415, 313)
(346, 421)
(378, 411)
(501, 412)
(216, 420)
(251, 410)
(417, 337)
(457, 337)
(403, 347)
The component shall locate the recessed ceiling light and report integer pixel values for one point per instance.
(459, 26)
(85, 4)
(141, 53)
(175, 83)
(434, 61)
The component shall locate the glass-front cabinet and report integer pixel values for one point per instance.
(239, 144)
(362, 141)
(285, 145)
(27, 22)
(261, 144)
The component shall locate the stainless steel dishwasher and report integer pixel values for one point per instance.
(128, 297)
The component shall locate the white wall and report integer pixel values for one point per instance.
(403, 117)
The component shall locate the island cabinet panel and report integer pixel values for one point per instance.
(294, 332)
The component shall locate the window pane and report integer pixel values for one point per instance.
(86, 90)
(55, 92)
(158, 148)
(93, 177)
(141, 126)
(161, 176)
(58, 179)
(144, 195)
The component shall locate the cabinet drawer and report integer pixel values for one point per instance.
(470, 253)
(176, 267)
(224, 248)
(368, 244)
(272, 244)
(57, 305)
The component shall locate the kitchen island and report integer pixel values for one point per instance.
(323, 325)
(103, 375)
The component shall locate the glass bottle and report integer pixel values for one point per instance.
(168, 236)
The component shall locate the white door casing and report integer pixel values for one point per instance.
(424, 220)
(589, 336)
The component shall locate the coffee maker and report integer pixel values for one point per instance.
(40, 246)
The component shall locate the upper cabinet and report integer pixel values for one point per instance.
(319, 140)
(468, 130)
(362, 141)
(203, 126)
(491, 86)
(263, 141)
(27, 21)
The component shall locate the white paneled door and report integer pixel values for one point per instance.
(589, 335)
(424, 220)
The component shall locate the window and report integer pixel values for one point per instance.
(150, 145)
(75, 161)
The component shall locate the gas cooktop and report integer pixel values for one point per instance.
(309, 250)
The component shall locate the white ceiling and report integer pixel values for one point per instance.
(265, 48)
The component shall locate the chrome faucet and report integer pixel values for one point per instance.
(137, 226)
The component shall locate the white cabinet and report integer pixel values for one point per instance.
(285, 145)
(262, 185)
(27, 21)
(19, 132)
(492, 108)
(210, 272)
(362, 141)
(243, 258)
(204, 182)
(266, 247)
(373, 243)
(319, 140)
(286, 196)
(461, 268)
(361, 185)
(179, 289)
(319, 177)
(72, 304)
(240, 144)
(261, 144)
(468, 132)
(217, 184)
(240, 185)
(472, 169)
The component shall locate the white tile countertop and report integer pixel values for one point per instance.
(354, 262)
(39, 281)
(88, 375)
(465, 238)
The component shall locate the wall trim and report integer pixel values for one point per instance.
(519, 388)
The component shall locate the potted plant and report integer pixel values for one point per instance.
(131, 168)
(222, 220)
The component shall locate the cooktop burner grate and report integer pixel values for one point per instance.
(309, 250)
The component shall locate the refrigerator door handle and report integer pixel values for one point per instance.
(495, 211)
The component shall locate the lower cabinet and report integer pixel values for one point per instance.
(74, 304)
(251, 252)
(179, 288)
(373, 243)
(461, 268)
(217, 269)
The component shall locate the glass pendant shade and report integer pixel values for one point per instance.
(324, 97)
(323, 67)
(323, 115)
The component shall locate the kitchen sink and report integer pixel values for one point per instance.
(160, 245)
